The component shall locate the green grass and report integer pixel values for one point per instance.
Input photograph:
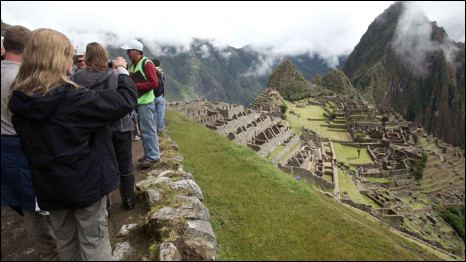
(349, 154)
(378, 180)
(320, 127)
(261, 213)
(347, 184)
(276, 151)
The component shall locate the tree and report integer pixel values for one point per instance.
(359, 137)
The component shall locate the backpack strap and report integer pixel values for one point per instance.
(144, 61)
(102, 79)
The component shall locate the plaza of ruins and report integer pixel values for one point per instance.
(386, 186)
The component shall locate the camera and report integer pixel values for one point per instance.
(110, 63)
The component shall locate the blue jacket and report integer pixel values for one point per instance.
(17, 188)
(67, 140)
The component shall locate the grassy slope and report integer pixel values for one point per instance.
(260, 213)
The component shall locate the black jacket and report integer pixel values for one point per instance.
(67, 140)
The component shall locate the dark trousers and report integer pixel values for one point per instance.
(122, 143)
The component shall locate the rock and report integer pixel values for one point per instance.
(191, 209)
(152, 196)
(176, 175)
(199, 236)
(125, 229)
(122, 250)
(151, 182)
(190, 186)
(169, 252)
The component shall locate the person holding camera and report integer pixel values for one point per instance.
(64, 133)
(100, 75)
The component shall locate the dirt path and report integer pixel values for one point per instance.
(16, 246)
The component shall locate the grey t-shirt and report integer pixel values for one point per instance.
(9, 71)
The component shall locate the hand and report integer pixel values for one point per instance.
(120, 61)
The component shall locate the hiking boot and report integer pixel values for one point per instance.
(127, 206)
(142, 158)
(148, 163)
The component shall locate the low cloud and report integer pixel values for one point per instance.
(412, 41)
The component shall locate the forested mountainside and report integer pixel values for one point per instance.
(223, 74)
(408, 63)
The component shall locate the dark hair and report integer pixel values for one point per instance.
(15, 39)
(141, 52)
(156, 62)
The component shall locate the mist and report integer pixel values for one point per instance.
(412, 41)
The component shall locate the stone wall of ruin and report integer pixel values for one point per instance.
(308, 176)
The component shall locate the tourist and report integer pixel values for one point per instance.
(64, 133)
(146, 106)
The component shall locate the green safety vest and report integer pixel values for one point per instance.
(149, 96)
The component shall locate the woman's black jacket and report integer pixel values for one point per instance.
(66, 138)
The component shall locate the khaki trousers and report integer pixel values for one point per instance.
(41, 235)
(82, 234)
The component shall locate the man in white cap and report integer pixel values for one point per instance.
(141, 65)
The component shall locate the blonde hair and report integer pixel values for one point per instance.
(96, 57)
(47, 55)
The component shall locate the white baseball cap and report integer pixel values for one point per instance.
(133, 44)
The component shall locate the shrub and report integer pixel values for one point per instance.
(455, 218)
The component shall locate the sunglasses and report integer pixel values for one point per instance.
(79, 61)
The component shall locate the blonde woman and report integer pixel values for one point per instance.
(64, 134)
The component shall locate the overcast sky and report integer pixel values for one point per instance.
(327, 28)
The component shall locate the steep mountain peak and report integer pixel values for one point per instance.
(289, 82)
(409, 63)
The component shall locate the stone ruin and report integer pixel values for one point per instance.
(263, 133)
(390, 141)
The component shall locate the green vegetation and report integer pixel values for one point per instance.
(283, 109)
(417, 166)
(347, 185)
(275, 152)
(455, 218)
(349, 155)
(359, 137)
(260, 213)
(320, 127)
(289, 82)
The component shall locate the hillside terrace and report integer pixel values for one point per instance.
(313, 157)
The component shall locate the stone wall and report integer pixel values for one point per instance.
(308, 176)
(280, 134)
(289, 146)
(178, 222)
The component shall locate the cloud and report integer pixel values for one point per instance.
(329, 29)
(264, 64)
(412, 40)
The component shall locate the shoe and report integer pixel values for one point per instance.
(159, 133)
(148, 163)
(142, 158)
(127, 206)
(136, 138)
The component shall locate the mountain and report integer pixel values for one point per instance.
(226, 74)
(203, 69)
(408, 63)
(289, 82)
(336, 81)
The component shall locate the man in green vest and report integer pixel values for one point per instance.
(146, 106)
